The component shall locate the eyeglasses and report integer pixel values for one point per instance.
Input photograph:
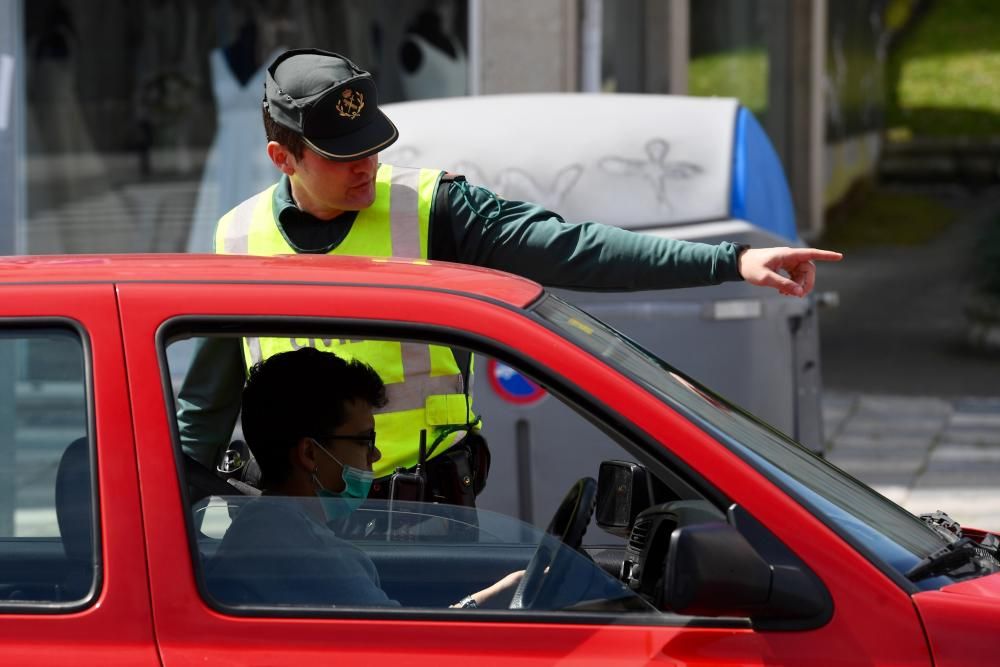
(366, 440)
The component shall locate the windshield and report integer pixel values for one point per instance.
(878, 527)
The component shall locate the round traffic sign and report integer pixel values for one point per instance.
(511, 385)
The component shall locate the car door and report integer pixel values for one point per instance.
(72, 565)
(192, 628)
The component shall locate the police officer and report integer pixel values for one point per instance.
(324, 132)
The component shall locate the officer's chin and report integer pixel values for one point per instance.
(360, 198)
(354, 206)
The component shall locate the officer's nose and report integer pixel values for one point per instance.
(366, 165)
(375, 455)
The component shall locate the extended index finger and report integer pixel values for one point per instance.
(807, 254)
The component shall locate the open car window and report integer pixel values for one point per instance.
(270, 552)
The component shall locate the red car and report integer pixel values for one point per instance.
(716, 540)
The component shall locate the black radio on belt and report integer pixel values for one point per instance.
(410, 486)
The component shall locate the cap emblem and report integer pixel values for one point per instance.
(351, 103)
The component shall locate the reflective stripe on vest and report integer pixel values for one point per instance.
(424, 385)
(410, 382)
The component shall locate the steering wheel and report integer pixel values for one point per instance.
(549, 563)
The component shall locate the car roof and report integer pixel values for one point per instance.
(287, 269)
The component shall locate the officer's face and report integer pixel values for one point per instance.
(326, 188)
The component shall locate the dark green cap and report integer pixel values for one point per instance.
(330, 101)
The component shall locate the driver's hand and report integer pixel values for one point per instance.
(510, 581)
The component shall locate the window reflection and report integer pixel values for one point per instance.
(270, 551)
(729, 49)
(143, 119)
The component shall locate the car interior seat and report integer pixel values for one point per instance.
(203, 483)
(237, 464)
(74, 515)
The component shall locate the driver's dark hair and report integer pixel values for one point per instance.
(298, 394)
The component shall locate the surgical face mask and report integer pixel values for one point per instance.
(357, 484)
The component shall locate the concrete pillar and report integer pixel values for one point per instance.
(651, 45)
(591, 31)
(795, 113)
(814, 221)
(475, 42)
(528, 46)
(678, 56)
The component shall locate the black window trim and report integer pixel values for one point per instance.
(35, 323)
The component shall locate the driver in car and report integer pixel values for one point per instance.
(308, 419)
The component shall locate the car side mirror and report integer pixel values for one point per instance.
(712, 570)
(623, 491)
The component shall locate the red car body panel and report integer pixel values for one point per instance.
(117, 629)
(963, 622)
(299, 269)
(150, 580)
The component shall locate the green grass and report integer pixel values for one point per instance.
(879, 217)
(739, 74)
(946, 72)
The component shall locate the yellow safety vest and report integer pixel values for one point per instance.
(423, 382)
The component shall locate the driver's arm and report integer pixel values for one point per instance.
(480, 597)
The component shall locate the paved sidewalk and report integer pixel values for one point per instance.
(925, 453)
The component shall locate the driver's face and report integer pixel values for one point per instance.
(349, 445)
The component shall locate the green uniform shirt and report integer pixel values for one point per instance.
(470, 225)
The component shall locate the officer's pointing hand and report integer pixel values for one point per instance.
(768, 267)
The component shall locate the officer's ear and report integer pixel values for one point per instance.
(281, 157)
